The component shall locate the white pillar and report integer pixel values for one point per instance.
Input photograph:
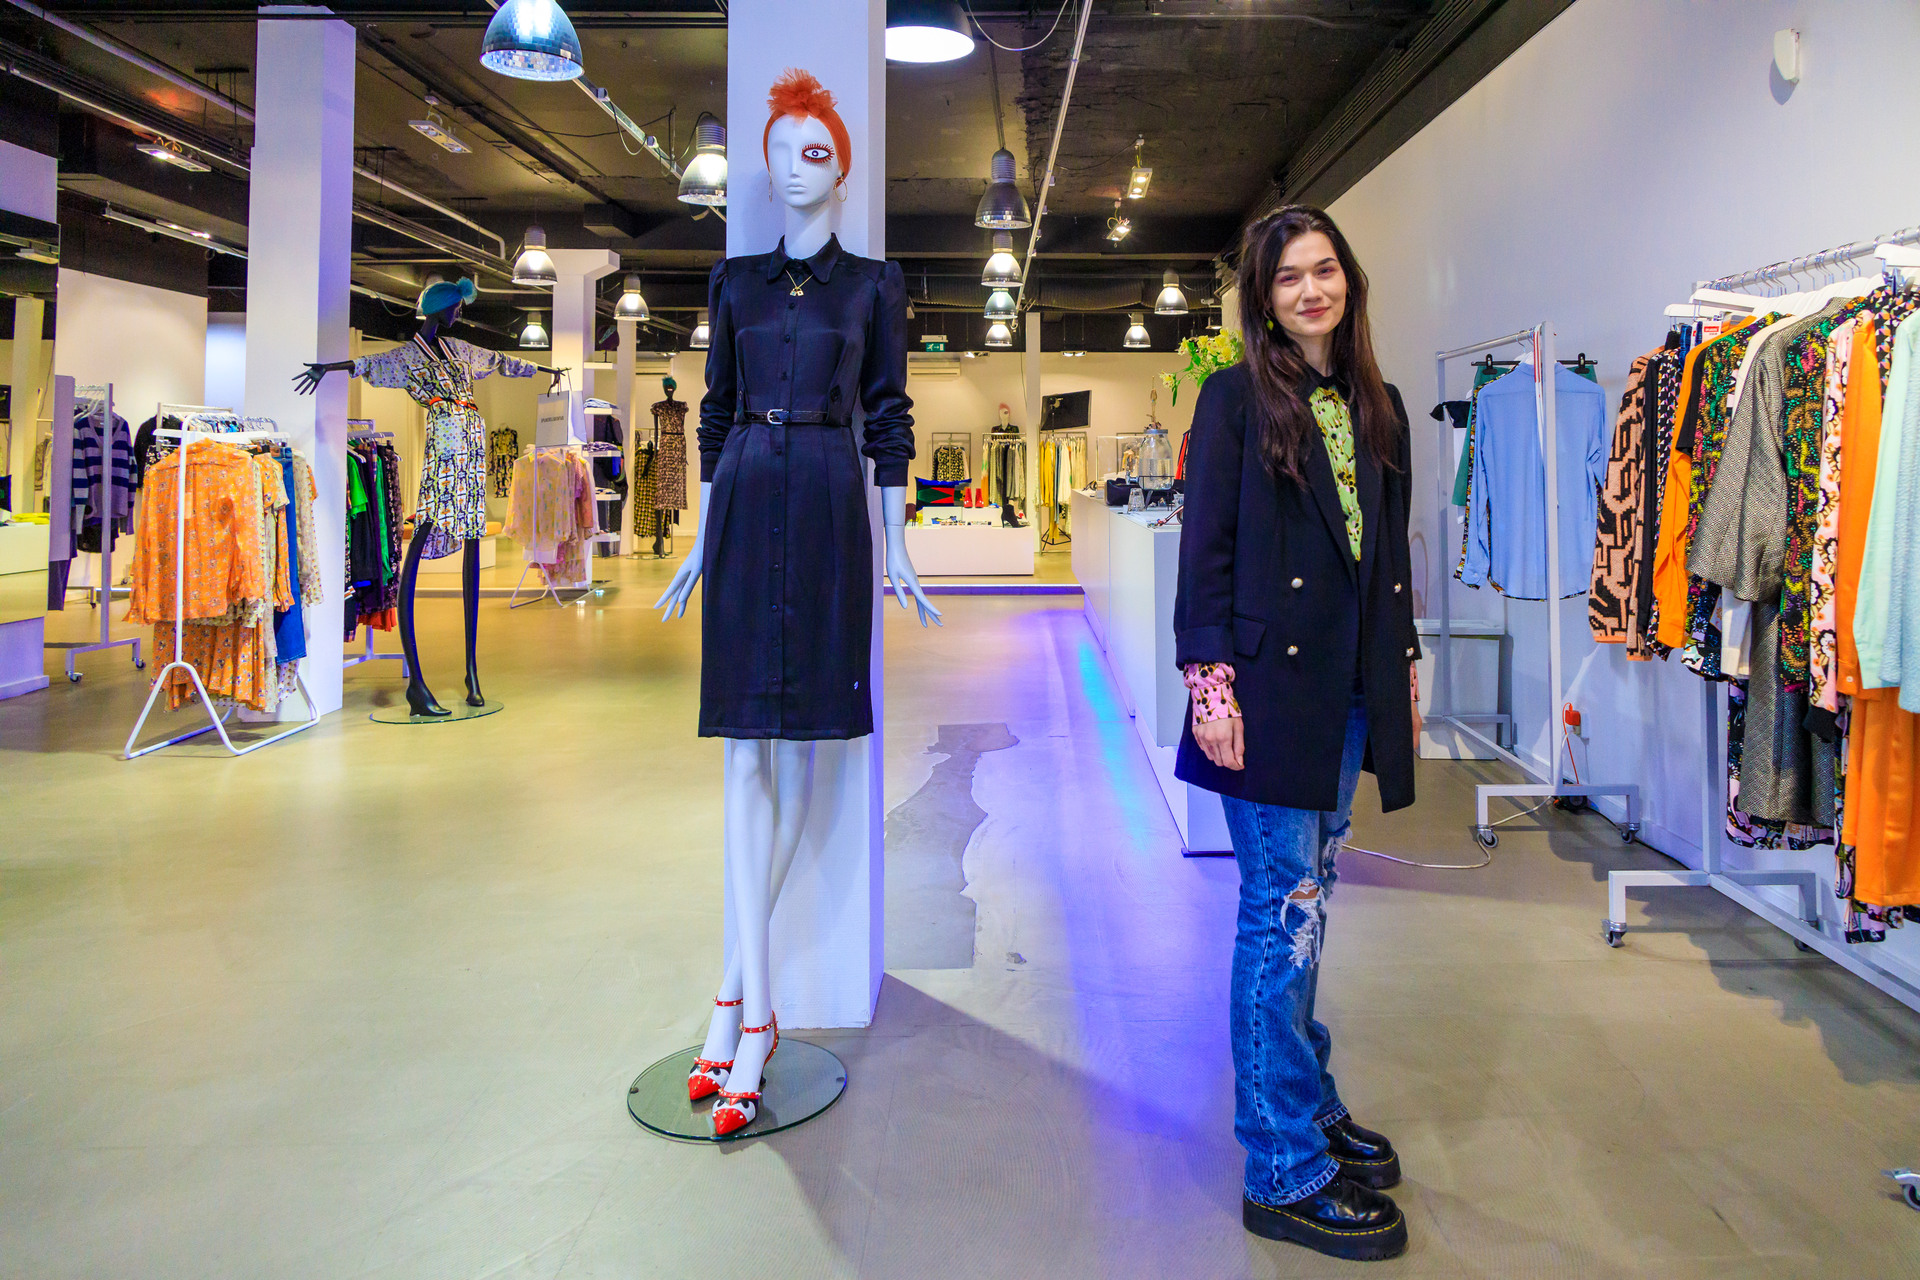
(630, 419)
(299, 242)
(829, 931)
(1030, 383)
(574, 317)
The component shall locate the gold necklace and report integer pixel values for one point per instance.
(798, 282)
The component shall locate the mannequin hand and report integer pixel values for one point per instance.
(308, 381)
(1223, 741)
(555, 384)
(900, 571)
(680, 590)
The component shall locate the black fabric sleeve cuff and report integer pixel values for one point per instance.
(892, 475)
(709, 462)
(1203, 644)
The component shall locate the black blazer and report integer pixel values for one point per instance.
(1268, 583)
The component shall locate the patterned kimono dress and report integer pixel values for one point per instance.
(453, 475)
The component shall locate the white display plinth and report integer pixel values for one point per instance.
(451, 564)
(1128, 571)
(971, 550)
(23, 548)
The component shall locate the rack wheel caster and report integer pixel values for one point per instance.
(1629, 833)
(1486, 836)
(1801, 946)
(1909, 1185)
(1570, 804)
(139, 664)
(1614, 931)
(73, 677)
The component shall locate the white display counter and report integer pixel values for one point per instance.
(23, 548)
(971, 550)
(1128, 571)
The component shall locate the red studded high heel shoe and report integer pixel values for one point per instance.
(735, 1111)
(709, 1077)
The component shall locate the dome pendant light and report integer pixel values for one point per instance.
(533, 267)
(1000, 306)
(1171, 302)
(531, 40)
(534, 336)
(702, 335)
(631, 305)
(999, 334)
(1137, 339)
(705, 179)
(1002, 208)
(1003, 270)
(927, 31)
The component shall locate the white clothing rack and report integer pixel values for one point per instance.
(549, 591)
(102, 395)
(186, 434)
(1539, 340)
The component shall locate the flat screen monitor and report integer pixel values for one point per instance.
(1065, 411)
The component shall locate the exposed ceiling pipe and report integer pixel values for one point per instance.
(1053, 151)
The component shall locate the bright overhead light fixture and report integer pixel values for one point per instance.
(438, 130)
(166, 151)
(531, 40)
(631, 305)
(1072, 355)
(1002, 270)
(534, 336)
(1171, 302)
(702, 334)
(1137, 337)
(1002, 208)
(171, 230)
(1000, 306)
(1118, 228)
(705, 178)
(534, 267)
(999, 334)
(927, 31)
(1141, 176)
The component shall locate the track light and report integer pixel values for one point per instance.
(631, 305)
(173, 155)
(705, 179)
(999, 334)
(1142, 174)
(1000, 306)
(531, 40)
(437, 129)
(1003, 270)
(702, 335)
(1002, 208)
(1137, 337)
(1118, 228)
(1171, 302)
(533, 267)
(534, 336)
(927, 31)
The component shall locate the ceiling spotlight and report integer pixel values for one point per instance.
(533, 266)
(1072, 355)
(534, 336)
(631, 305)
(702, 335)
(531, 40)
(1000, 306)
(1118, 227)
(999, 334)
(927, 31)
(438, 129)
(1142, 174)
(1137, 338)
(1002, 208)
(162, 150)
(1171, 302)
(1002, 271)
(705, 179)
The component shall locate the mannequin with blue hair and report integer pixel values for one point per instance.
(439, 371)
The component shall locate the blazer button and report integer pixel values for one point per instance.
(1297, 584)
(1292, 649)
(1396, 588)
(1409, 653)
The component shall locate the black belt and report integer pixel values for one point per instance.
(791, 417)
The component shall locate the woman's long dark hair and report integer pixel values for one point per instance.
(1281, 375)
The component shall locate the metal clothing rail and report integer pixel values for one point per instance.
(102, 396)
(185, 434)
(1812, 261)
(1539, 341)
(549, 589)
(363, 429)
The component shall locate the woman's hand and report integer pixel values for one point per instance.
(1224, 741)
(1413, 681)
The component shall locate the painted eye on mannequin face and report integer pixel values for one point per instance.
(814, 153)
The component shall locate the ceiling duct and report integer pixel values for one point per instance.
(1088, 295)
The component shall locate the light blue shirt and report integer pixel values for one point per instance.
(1507, 514)
(1886, 621)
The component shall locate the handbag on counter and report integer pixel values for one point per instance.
(939, 493)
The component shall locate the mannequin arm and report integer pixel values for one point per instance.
(680, 590)
(893, 506)
(308, 380)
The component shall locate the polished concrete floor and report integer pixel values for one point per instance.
(367, 1004)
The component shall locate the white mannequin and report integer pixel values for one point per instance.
(769, 784)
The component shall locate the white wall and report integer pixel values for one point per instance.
(151, 344)
(1628, 150)
(226, 380)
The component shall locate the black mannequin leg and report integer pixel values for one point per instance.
(419, 698)
(470, 600)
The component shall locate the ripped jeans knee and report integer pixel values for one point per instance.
(1304, 922)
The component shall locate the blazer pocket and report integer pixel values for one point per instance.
(1247, 634)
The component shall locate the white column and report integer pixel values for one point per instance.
(630, 419)
(829, 930)
(1030, 384)
(299, 242)
(574, 319)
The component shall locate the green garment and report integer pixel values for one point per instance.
(1336, 428)
(1482, 375)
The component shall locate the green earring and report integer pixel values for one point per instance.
(1269, 324)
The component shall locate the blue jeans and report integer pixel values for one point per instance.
(1283, 1094)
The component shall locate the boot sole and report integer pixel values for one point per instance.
(1369, 1244)
(1381, 1175)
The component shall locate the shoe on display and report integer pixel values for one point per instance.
(1365, 1156)
(1341, 1220)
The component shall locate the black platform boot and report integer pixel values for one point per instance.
(1365, 1156)
(1342, 1220)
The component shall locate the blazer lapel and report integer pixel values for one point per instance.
(1369, 489)
(1326, 496)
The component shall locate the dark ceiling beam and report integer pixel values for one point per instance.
(1153, 239)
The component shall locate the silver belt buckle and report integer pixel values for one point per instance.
(777, 417)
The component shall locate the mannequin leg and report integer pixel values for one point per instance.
(470, 601)
(419, 697)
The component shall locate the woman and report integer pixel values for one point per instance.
(1294, 624)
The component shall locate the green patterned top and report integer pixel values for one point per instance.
(1336, 428)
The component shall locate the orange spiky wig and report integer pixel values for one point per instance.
(797, 93)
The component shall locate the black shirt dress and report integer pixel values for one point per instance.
(787, 609)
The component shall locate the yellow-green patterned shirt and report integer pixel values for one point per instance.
(1336, 428)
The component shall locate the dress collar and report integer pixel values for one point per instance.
(1316, 380)
(820, 264)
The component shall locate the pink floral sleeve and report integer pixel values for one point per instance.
(1211, 684)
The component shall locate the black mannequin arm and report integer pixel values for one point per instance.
(308, 380)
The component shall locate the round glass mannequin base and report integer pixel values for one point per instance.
(800, 1082)
(399, 713)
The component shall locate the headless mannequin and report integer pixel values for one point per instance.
(769, 784)
(420, 699)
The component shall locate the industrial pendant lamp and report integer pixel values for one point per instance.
(1003, 270)
(1137, 339)
(999, 334)
(702, 335)
(1002, 208)
(631, 305)
(927, 31)
(534, 336)
(531, 40)
(1000, 306)
(533, 267)
(1171, 302)
(705, 179)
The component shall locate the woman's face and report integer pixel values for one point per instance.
(1309, 296)
(802, 162)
